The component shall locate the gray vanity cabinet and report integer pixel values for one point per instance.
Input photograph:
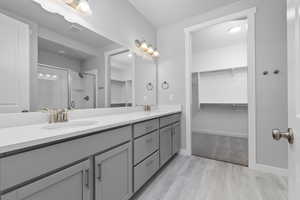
(69, 184)
(165, 144)
(176, 138)
(113, 174)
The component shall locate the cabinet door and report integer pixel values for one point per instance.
(14, 65)
(113, 179)
(176, 138)
(69, 184)
(165, 144)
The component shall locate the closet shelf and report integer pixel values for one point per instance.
(224, 69)
(220, 133)
(224, 102)
(119, 80)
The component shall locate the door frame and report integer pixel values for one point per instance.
(250, 15)
(107, 56)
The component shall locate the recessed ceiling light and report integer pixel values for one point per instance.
(129, 55)
(235, 29)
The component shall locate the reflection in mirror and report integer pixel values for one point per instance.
(63, 81)
(121, 76)
(47, 62)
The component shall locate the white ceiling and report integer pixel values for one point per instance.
(217, 36)
(32, 11)
(164, 12)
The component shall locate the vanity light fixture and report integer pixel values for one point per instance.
(144, 46)
(150, 50)
(155, 53)
(82, 6)
(147, 49)
(68, 1)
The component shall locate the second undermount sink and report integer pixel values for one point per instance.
(70, 124)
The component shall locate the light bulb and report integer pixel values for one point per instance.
(84, 7)
(137, 43)
(144, 46)
(69, 1)
(150, 50)
(155, 53)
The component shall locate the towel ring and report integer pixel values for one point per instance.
(165, 85)
(149, 86)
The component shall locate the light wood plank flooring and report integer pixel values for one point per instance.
(195, 178)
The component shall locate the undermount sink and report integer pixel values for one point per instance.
(70, 124)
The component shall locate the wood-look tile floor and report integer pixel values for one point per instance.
(195, 178)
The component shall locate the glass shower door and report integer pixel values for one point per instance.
(53, 88)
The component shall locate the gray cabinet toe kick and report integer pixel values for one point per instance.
(108, 165)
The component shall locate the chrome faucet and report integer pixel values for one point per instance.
(58, 115)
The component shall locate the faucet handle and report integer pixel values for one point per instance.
(65, 115)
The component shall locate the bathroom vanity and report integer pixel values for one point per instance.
(68, 67)
(106, 158)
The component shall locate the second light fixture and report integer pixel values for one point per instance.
(147, 48)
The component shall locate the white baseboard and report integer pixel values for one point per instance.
(183, 152)
(269, 169)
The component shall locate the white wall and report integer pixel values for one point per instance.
(271, 91)
(145, 72)
(221, 58)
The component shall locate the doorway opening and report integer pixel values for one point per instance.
(220, 94)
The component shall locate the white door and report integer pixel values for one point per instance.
(293, 20)
(14, 65)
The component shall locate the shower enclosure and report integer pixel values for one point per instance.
(64, 88)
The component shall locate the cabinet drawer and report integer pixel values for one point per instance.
(25, 166)
(145, 170)
(144, 146)
(145, 127)
(165, 121)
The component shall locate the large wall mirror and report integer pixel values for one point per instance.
(47, 62)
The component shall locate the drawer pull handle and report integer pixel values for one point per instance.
(86, 180)
(149, 163)
(99, 172)
(149, 140)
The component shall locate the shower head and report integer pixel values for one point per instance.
(80, 75)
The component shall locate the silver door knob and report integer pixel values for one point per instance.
(289, 135)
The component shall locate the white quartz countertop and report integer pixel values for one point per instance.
(18, 138)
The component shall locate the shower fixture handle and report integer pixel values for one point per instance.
(87, 98)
